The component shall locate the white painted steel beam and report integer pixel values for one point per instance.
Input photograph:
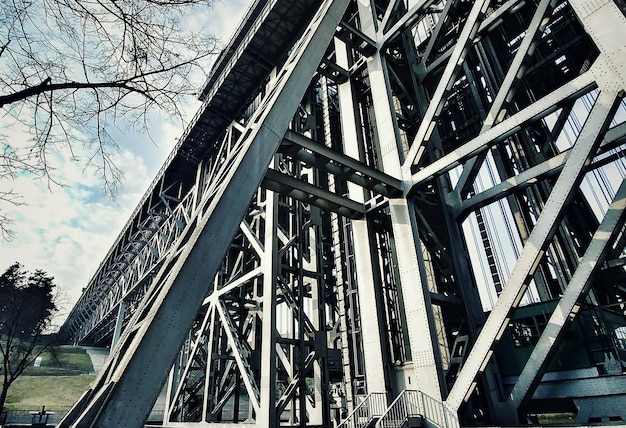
(533, 175)
(505, 93)
(459, 52)
(420, 323)
(499, 132)
(603, 20)
(406, 22)
(373, 346)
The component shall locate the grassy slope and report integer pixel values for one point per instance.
(57, 383)
(54, 392)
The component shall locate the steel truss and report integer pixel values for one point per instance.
(372, 202)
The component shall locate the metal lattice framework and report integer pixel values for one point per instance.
(383, 210)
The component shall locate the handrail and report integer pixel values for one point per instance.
(406, 405)
(372, 406)
(414, 404)
(437, 414)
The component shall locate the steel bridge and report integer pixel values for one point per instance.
(385, 213)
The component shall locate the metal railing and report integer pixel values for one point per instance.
(416, 405)
(405, 406)
(372, 407)
(436, 413)
(30, 416)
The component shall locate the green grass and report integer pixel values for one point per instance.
(66, 360)
(54, 392)
(58, 382)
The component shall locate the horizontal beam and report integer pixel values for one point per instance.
(342, 165)
(310, 194)
(547, 168)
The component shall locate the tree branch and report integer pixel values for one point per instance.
(46, 86)
(4, 47)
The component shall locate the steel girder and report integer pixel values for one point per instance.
(127, 270)
(444, 159)
(439, 174)
(127, 387)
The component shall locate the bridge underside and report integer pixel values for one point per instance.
(381, 205)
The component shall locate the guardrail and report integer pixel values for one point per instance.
(372, 407)
(405, 406)
(437, 414)
(422, 408)
(30, 416)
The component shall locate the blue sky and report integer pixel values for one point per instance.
(66, 231)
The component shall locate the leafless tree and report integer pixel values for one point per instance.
(70, 70)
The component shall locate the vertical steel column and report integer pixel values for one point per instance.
(337, 263)
(267, 412)
(373, 347)
(208, 373)
(422, 332)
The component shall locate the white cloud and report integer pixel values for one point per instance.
(67, 231)
(222, 19)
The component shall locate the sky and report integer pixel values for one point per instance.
(66, 231)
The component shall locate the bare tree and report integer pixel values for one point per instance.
(72, 69)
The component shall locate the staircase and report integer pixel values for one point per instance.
(404, 412)
(410, 409)
(367, 413)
